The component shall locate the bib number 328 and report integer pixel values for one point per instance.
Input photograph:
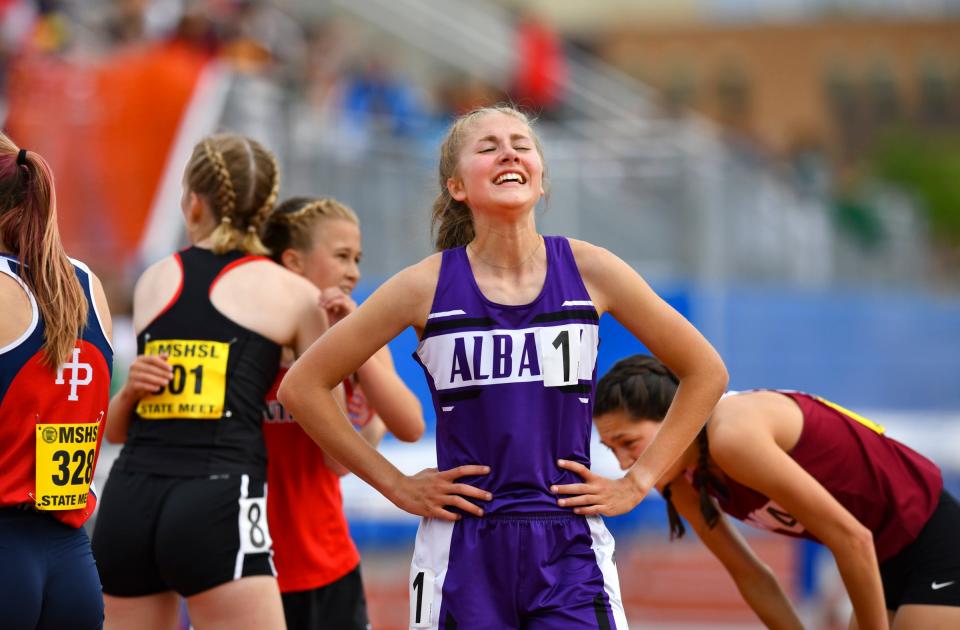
(66, 454)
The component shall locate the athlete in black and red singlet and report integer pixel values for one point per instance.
(55, 362)
(184, 509)
(803, 466)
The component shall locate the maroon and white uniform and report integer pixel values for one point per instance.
(891, 489)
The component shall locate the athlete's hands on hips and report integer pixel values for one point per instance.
(598, 494)
(148, 374)
(430, 491)
(336, 303)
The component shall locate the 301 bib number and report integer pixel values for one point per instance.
(66, 454)
(198, 387)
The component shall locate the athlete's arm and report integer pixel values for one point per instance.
(155, 288)
(616, 288)
(742, 442)
(754, 579)
(148, 373)
(391, 398)
(374, 431)
(402, 301)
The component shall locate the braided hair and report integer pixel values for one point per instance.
(240, 181)
(290, 225)
(644, 387)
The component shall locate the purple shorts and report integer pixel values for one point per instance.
(539, 571)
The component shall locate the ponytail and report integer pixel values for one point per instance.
(240, 180)
(28, 226)
(705, 481)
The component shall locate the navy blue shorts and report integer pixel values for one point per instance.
(509, 571)
(48, 578)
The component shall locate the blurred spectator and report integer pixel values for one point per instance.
(260, 35)
(376, 99)
(540, 77)
(459, 95)
(51, 32)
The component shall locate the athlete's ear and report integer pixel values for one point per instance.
(196, 206)
(292, 260)
(455, 188)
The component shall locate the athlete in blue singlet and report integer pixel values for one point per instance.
(508, 326)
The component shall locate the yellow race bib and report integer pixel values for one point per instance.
(65, 457)
(199, 384)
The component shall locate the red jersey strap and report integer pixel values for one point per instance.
(234, 265)
(176, 296)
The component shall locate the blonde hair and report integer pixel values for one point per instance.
(290, 225)
(451, 222)
(240, 181)
(28, 226)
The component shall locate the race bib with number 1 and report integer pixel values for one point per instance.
(560, 355)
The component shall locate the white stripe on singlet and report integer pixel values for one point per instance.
(6, 270)
(446, 314)
(432, 553)
(244, 492)
(603, 548)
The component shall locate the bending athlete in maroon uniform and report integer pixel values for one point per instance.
(802, 466)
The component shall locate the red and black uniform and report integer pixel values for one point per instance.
(892, 490)
(51, 423)
(317, 561)
(184, 507)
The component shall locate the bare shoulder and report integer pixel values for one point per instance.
(734, 412)
(592, 259)
(418, 281)
(740, 420)
(276, 279)
(408, 294)
(604, 273)
(157, 285)
(265, 282)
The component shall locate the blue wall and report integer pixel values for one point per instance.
(873, 350)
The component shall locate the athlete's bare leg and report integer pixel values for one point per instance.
(926, 617)
(248, 603)
(854, 626)
(149, 612)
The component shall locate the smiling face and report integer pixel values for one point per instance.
(499, 166)
(334, 258)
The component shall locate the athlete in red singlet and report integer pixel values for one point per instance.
(803, 466)
(317, 562)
